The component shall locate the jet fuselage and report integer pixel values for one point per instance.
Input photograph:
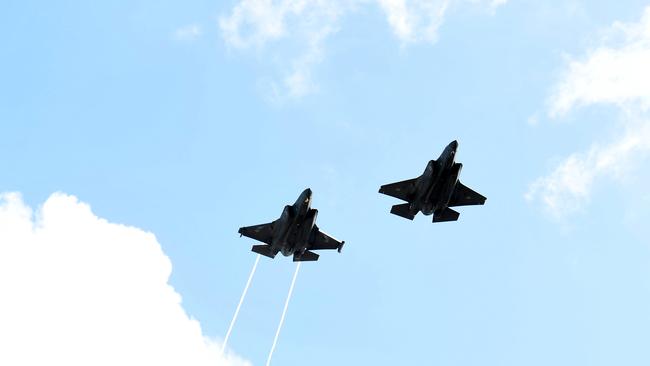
(436, 184)
(293, 229)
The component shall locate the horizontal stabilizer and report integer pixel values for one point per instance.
(264, 250)
(447, 215)
(305, 257)
(402, 210)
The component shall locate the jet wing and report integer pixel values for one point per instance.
(464, 196)
(324, 241)
(401, 190)
(263, 232)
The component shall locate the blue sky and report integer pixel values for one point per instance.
(152, 113)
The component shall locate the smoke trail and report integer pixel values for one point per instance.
(241, 300)
(284, 312)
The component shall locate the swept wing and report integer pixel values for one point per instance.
(324, 241)
(401, 190)
(263, 232)
(464, 196)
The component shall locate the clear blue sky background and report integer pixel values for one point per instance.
(176, 137)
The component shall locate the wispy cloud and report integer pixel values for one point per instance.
(616, 73)
(414, 21)
(307, 24)
(79, 290)
(187, 33)
(297, 80)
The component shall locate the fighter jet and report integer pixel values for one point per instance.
(295, 232)
(433, 192)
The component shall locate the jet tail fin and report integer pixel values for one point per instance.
(402, 210)
(447, 215)
(305, 257)
(264, 250)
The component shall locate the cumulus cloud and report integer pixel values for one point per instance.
(307, 24)
(187, 33)
(79, 290)
(613, 74)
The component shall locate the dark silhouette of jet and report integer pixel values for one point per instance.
(295, 232)
(433, 192)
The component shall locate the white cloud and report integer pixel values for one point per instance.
(568, 188)
(188, 33)
(297, 81)
(611, 75)
(306, 25)
(416, 20)
(419, 20)
(78, 290)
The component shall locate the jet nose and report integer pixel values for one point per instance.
(307, 194)
(454, 144)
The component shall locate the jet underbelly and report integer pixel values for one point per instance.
(304, 231)
(428, 204)
(447, 189)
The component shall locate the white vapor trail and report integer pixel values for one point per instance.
(241, 300)
(284, 312)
